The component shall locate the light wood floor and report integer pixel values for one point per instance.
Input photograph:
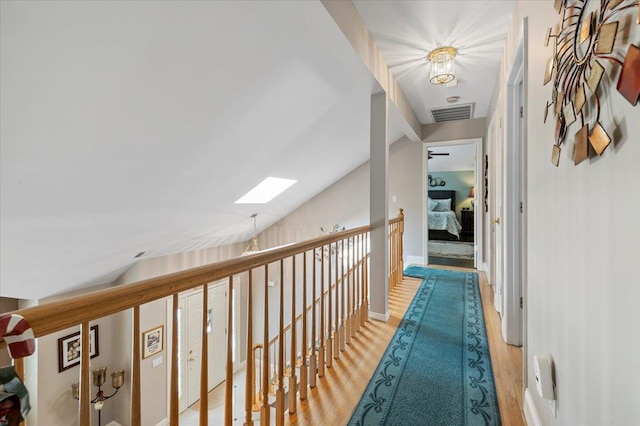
(506, 361)
(336, 395)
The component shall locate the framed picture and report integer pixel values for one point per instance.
(153, 341)
(69, 349)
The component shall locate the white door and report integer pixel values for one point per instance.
(193, 347)
(190, 309)
(182, 363)
(217, 335)
(515, 188)
(495, 197)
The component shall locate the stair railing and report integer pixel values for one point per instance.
(327, 282)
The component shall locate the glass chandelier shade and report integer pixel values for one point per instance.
(442, 65)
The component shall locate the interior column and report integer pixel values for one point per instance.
(378, 208)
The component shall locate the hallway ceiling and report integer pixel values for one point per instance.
(133, 127)
(406, 31)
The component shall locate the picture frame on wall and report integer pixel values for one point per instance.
(69, 349)
(153, 341)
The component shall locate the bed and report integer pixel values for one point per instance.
(443, 225)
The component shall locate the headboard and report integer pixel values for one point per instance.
(437, 194)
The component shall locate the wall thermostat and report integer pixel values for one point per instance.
(544, 379)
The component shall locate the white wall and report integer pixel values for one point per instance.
(346, 202)
(582, 248)
(405, 182)
(454, 130)
(55, 403)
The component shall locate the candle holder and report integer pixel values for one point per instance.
(99, 376)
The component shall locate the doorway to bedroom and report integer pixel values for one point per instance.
(450, 201)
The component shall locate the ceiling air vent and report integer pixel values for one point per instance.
(452, 113)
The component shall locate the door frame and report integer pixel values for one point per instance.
(496, 206)
(478, 228)
(515, 184)
(490, 258)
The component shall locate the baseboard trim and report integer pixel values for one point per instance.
(415, 260)
(163, 422)
(113, 423)
(484, 267)
(380, 317)
(530, 411)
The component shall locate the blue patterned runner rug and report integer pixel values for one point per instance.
(437, 369)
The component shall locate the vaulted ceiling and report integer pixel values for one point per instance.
(134, 126)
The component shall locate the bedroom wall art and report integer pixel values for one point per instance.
(583, 67)
(436, 181)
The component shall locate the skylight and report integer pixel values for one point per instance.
(266, 191)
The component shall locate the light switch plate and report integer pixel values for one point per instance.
(156, 362)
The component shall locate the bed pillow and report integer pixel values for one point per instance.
(432, 204)
(443, 205)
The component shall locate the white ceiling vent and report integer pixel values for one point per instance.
(452, 113)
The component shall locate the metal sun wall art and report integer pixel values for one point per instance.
(584, 55)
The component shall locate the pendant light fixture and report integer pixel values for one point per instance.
(442, 62)
(254, 246)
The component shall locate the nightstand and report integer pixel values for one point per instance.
(467, 223)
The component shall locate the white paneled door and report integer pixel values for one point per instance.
(193, 347)
(496, 167)
(191, 308)
(217, 335)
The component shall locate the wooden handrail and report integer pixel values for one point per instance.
(45, 319)
(345, 294)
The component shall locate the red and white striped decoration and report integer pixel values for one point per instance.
(17, 332)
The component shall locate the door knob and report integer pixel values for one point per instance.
(496, 221)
